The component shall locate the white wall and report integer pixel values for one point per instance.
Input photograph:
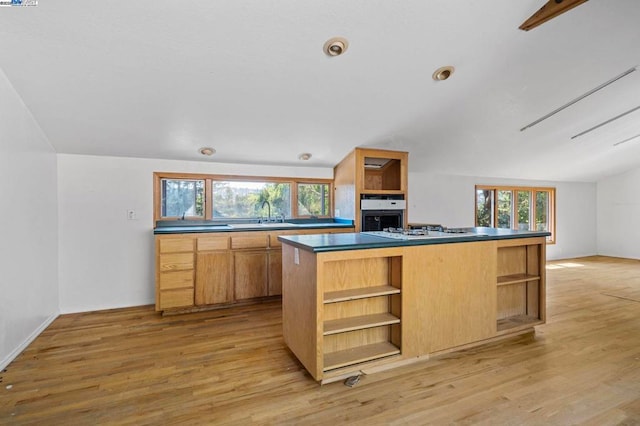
(449, 200)
(618, 210)
(29, 236)
(106, 260)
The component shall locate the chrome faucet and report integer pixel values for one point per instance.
(268, 209)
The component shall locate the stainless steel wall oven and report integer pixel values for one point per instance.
(382, 211)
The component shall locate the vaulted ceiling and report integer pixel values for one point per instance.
(160, 79)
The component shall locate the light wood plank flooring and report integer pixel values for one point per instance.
(132, 366)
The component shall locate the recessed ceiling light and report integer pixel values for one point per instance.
(208, 151)
(443, 73)
(304, 156)
(336, 46)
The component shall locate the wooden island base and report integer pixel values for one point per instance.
(392, 362)
(350, 312)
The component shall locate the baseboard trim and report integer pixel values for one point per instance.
(17, 351)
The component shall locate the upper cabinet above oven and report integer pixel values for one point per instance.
(368, 171)
(382, 174)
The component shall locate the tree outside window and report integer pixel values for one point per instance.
(245, 199)
(182, 198)
(313, 199)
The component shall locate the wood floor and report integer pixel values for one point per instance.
(131, 366)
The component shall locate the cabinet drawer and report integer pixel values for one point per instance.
(213, 243)
(249, 241)
(176, 298)
(176, 262)
(179, 279)
(175, 245)
(273, 238)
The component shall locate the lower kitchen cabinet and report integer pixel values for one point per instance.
(275, 272)
(213, 278)
(201, 270)
(250, 273)
(174, 273)
(457, 302)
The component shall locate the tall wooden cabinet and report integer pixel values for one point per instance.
(367, 171)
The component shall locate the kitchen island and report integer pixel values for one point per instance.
(355, 303)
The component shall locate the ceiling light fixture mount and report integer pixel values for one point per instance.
(336, 46)
(443, 73)
(208, 151)
(305, 156)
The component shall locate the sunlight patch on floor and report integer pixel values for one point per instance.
(564, 265)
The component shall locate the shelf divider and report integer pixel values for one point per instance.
(516, 278)
(342, 325)
(359, 354)
(359, 293)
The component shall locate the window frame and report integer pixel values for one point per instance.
(514, 210)
(208, 186)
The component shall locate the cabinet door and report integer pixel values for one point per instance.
(455, 299)
(275, 272)
(213, 278)
(250, 274)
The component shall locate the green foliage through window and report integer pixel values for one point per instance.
(240, 199)
(313, 199)
(504, 209)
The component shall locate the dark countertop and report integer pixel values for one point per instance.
(357, 241)
(190, 227)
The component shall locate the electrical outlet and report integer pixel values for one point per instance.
(131, 215)
(296, 256)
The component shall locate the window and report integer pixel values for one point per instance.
(520, 208)
(504, 209)
(219, 197)
(243, 199)
(182, 198)
(313, 199)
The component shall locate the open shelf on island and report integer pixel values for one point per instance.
(360, 354)
(516, 278)
(518, 321)
(342, 325)
(359, 293)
